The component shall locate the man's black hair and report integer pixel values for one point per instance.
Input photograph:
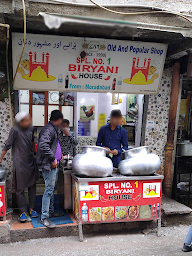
(65, 121)
(116, 113)
(56, 115)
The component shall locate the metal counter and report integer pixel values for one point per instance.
(64, 188)
(117, 177)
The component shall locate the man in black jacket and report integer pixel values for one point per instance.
(48, 156)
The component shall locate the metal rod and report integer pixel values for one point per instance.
(159, 227)
(171, 129)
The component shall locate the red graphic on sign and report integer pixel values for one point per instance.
(34, 64)
(144, 69)
(73, 76)
(152, 188)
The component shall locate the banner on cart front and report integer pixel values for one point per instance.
(54, 63)
(128, 200)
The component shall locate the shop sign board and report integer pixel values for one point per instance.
(128, 200)
(2, 201)
(54, 63)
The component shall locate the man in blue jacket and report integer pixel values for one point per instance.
(48, 156)
(113, 137)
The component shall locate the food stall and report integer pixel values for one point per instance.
(116, 198)
(96, 71)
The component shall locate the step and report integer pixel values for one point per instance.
(172, 207)
(173, 214)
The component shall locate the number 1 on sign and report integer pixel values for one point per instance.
(137, 184)
(109, 61)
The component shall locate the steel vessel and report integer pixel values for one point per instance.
(92, 162)
(139, 161)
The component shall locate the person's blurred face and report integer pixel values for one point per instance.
(64, 127)
(115, 121)
(26, 122)
(58, 122)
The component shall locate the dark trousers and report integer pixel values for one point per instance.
(21, 202)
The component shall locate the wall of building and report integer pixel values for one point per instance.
(105, 106)
(158, 112)
(174, 5)
(102, 103)
(33, 7)
(5, 126)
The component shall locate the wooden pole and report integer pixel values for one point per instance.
(171, 129)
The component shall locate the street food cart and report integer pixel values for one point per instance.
(117, 199)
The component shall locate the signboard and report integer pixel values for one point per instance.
(84, 128)
(2, 201)
(131, 200)
(54, 63)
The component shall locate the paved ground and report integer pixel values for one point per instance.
(134, 244)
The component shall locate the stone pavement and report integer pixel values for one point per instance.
(172, 207)
(130, 244)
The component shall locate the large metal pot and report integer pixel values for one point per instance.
(92, 162)
(66, 163)
(184, 148)
(139, 161)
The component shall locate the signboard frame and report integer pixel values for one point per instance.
(118, 66)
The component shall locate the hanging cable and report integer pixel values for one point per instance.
(140, 13)
(25, 31)
(8, 80)
(158, 10)
(7, 59)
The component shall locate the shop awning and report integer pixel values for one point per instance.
(56, 20)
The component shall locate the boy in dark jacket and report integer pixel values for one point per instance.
(48, 156)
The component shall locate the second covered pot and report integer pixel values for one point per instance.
(139, 161)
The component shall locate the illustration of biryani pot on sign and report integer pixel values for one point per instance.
(139, 74)
(39, 71)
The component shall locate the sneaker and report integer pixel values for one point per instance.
(34, 214)
(47, 223)
(187, 248)
(23, 217)
(55, 214)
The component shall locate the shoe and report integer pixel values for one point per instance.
(23, 217)
(55, 214)
(47, 223)
(34, 214)
(187, 248)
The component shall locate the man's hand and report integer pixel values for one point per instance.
(66, 131)
(114, 152)
(54, 164)
(2, 155)
(108, 150)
